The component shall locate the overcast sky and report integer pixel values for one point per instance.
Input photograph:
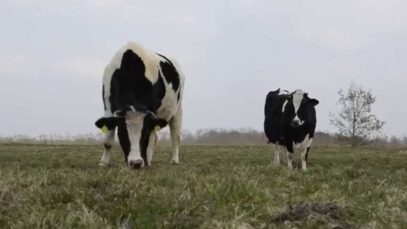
(52, 56)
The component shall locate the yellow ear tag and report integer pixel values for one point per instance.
(104, 129)
(157, 128)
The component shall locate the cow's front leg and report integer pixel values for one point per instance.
(276, 155)
(175, 129)
(151, 145)
(107, 144)
(304, 158)
(289, 152)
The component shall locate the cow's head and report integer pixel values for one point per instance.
(298, 108)
(139, 123)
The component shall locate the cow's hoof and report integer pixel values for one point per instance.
(136, 164)
(104, 164)
(173, 162)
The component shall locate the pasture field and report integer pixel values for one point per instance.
(213, 187)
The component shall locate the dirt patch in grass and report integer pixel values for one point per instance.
(328, 214)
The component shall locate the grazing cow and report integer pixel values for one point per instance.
(290, 121)
(142, 92)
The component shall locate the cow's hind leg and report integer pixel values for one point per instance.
(175, 129)
(108, 144)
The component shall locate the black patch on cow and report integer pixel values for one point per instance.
(273, 124)
(158, 92)
(170, 72)
(289, 146)
(145, 136)
(114, 91)
(178, 96)
(123, 136)
(130, 87)
(103, 96)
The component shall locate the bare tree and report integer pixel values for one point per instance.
(355, 120)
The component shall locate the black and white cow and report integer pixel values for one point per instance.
(142, 92)
(290, 121)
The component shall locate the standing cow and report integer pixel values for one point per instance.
(290, 121)
(142, 92)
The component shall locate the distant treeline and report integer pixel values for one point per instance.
(202, 137)
(53, 139)
(254, 137)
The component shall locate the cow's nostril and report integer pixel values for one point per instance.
(295, 124)
(137, 164)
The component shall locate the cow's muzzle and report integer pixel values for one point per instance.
(297, 123)
(136, 164)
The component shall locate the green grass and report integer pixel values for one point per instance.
(213, 187)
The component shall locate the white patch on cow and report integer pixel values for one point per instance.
(169, 104)
(284, 105)
(134, 123)
(297, 100)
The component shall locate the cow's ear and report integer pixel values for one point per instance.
(313, 102)
(161, 122)
(109, 123)
(154, 122)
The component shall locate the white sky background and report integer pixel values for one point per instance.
(52, 55)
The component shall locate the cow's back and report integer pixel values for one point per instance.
(273, 116)
(135, 75)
